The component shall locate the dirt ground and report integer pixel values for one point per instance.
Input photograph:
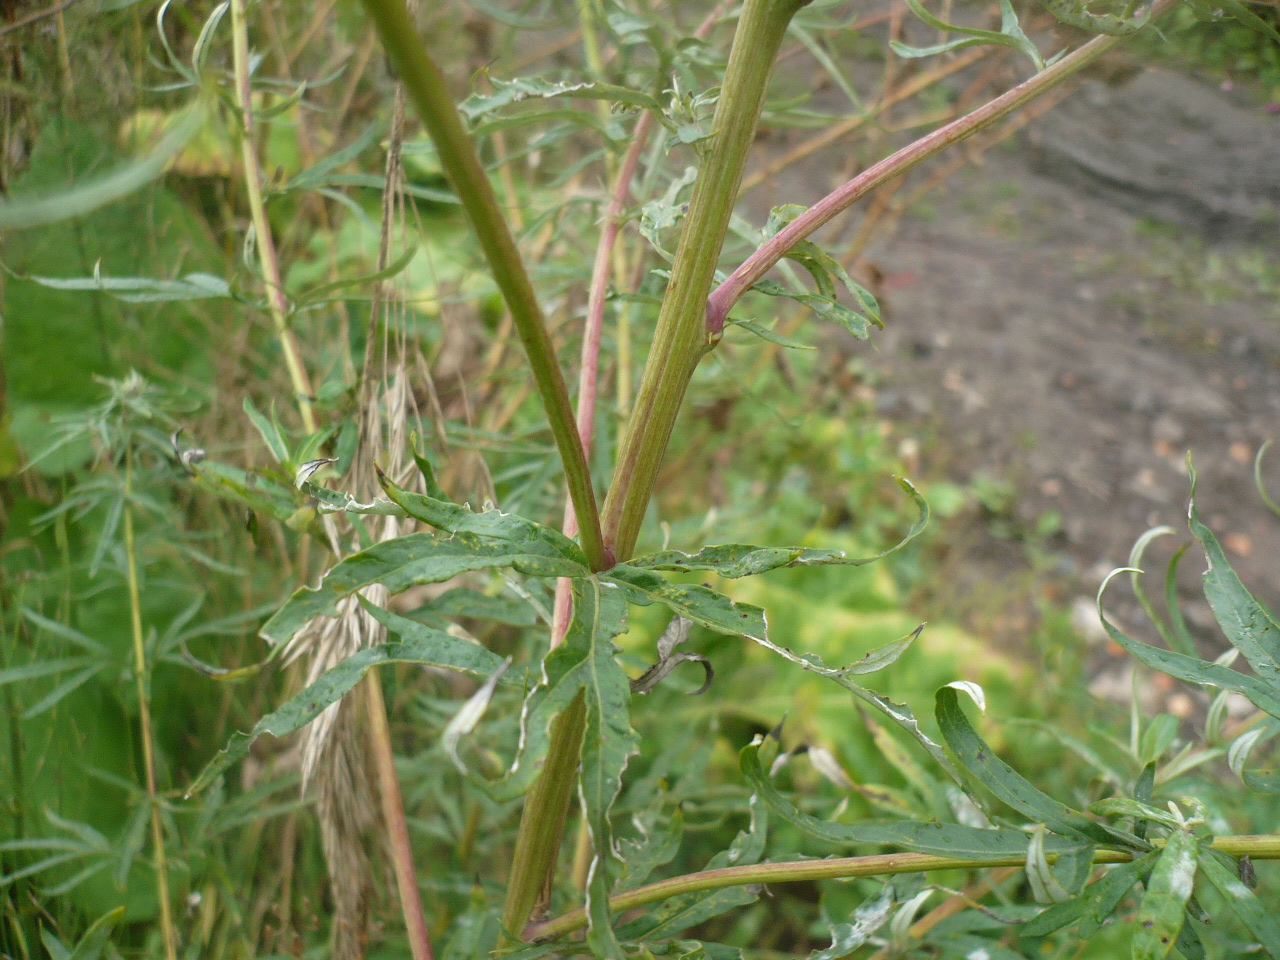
(1068, 320)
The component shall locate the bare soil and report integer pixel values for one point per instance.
(1069, 319)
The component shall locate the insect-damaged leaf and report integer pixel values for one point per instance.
(421, 644)
(943, 839)
(1010, 786)
(1164, 906)
(416, 558)
(735, 560)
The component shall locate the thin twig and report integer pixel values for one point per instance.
(36, 17)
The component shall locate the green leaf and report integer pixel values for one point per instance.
(420, 644)
(1164, 906)
(316, 294)
(17, 213)
(764, 333)
(1248, 624)
(1257, 917)
(253, 490)
(1010, 34)
(413, 559)
(943, 839)
(1157, 738)
(608, 743)
(682, 912)
(1125, 807)
(577, 664)
(1262, 695)
(466, 602)
(655, 847)
(507, 92)
(1095, 905)
(734, 560)
(456, 518)
(1011, 787)
(194, 286)
(270, 432)
(315, 175)
(1077, 14)
(866, 920)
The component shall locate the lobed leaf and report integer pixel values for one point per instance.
(458, 518)
(508, 92)
(1163, 910)
(421, 645)
(414, 559)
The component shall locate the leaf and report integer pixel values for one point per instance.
(194, 286)
(421, 645)
(654, 847)
(607, 745)
(734, 560)
(316, 174)
(1125, 807)
(867, 919)
(270, 432)
(1095, 905)
(468, 716)
(507, 92)
(1258, 918)
(1011, 787)
(317, 294)
(682, 912)
(1010, 34)
(765, 333)
(259, 494)
(413, 559)
(1248, 624)
(467, 602)
(1261, 694)
(456, 518)
(77, 200)
(943, 839)
(1045, 887)
(1164, 906)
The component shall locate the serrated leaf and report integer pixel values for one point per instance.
(1248, 624)
(655, 846)
(1163, 910)
(1095, 905)
(417, 558)
(1261, 694)
(508, 92)
(456, 518)
(943, 839)
(422, 645)
(734, 560)
(1258, 918)
(1010, 786)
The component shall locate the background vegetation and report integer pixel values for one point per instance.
(153, 430)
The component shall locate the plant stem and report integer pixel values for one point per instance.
(759, 263)
(1256, 847)
(426, 88)
(264, 241)
(141, 676)
(393, 812)
(680, 339)
(542, 823)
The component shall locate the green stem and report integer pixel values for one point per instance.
(1256, 847)
(141, 676)
(426, 88)
(277, 303)
(680, 340)
(542, 825)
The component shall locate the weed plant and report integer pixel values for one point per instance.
(554, 788)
